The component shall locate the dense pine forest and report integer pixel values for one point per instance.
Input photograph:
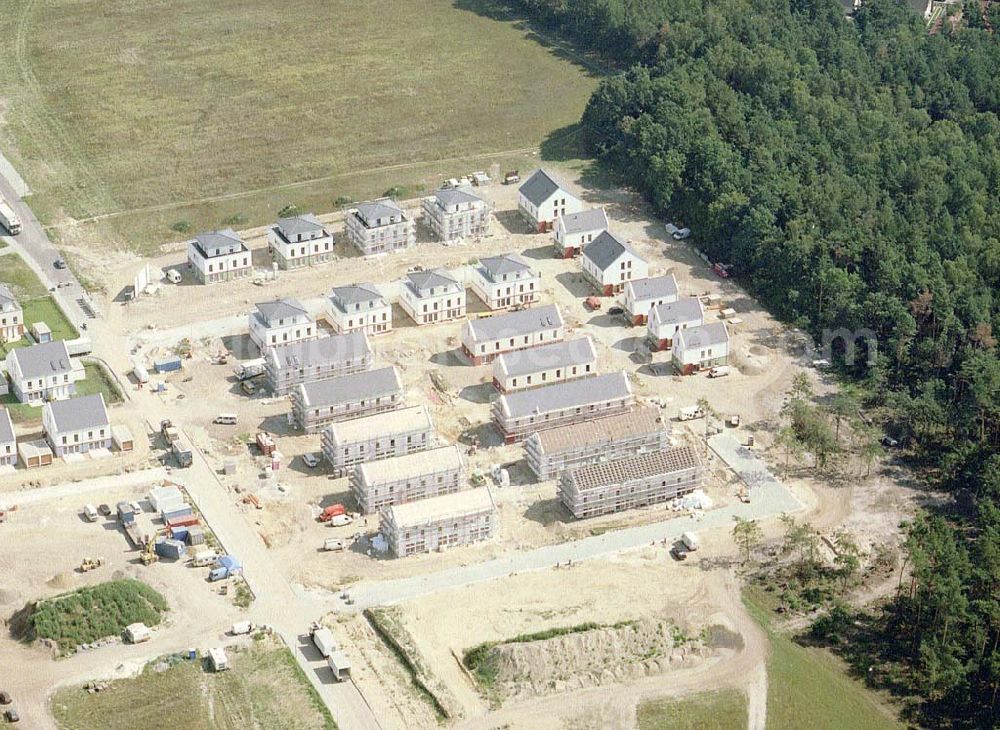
(848, 167)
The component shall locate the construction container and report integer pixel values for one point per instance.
(165, 499)
(179, 512)
(241, 627)
(196, 535)
(184, 521)
(217, 657)
(340, 665)
(141, 374)
(168, 365)
(170, 549)
(203, 558)
(137, 633)
(179, 533)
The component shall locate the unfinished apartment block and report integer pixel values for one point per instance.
(314, 360)
(639, 481)
(518, 415)
(382, 436)
(439, 523)
(456, 213)
(401, 479)
(317, 405)
(380, 226)
(641, 431)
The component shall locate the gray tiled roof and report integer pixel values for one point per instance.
(350, 388)
(657, 286)
(280, 309)
(331, 349)
(76, 414)
(44, 360)
(6, 427)
(354, 294)
(515, 324)
(594, 219)
(6, 297)
(218, 243)
(305, 223)
(372, 210)
(508, 263)
(559, 396)
(705, 335)
(544, 357)
(421, 280)
(683, 310)
(605, 250)
(456, 196)
(539, 187)
(643, 466)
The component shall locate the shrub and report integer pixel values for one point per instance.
(181, 226)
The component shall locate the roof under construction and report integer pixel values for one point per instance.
(609, 473)
(442, 508)
(638, 422)
(576, 393)
(418, 463)
(403, 420)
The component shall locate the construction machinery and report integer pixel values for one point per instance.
(148, 555)
(721, 270)
(90, 564)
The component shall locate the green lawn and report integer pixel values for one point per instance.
(16, 274)
(166, 101)
(724, 710)
(808, 687)
(97, 381)
(265, 689)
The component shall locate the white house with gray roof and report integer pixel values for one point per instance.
(544, 365)
(641, 295)
(373, 438)
(456, 213)
(506, 281)
(359, 307)
(41, 373)
(380, 226)
(485, 338)
(518, 415)
(219, 256)
(609, 264)
(300, 241)
(665, 320)
(705, 346)
(440, 523)
(11, 316)
(316, 405)
(573, 231)
(8, 442)
(281, 322)
(313, 360)
(77, 425)
(432, 296)
(541, 199)
(407, 478)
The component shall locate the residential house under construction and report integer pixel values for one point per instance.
(485, 338)
(441, 522)
(314, 360)
(372, 438)
(544, 365)
(454, 214)
(317, 405)
(401, 479)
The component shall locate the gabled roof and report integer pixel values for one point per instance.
(400, 421)
(443, 508)
(306, 223)
(218, 243)
(77, 414)
(515, 324)
(6, 427)
(606, 249)
(653, 288)
(456, 196)
(355, 294)
(687, 309)
(280, 309)
(6, 297)
(325, 350)
(608, 430)
(421, 280)
(416, 463)
(372, 210)
(539, 187)
(567, 394)
(508, 263)
(705, 335)
(622, 471)
(351, 388)
(545, 357)
(594, 219)
(44, 360)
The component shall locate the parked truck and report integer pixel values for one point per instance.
(8, 218)
(182, 451)
(691, 541)
(340, 665)
(331, 511)
(689, 413)
(249, 369)
(265, 443)
(322, 637)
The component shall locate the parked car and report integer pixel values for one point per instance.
(310, 460)
(11, 715)
(59, 264)
(678, 553)
(616, 310)
(5, 698)
(248, 387)
(890, 442)
(104, 510)
(681, 234)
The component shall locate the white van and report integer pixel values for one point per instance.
(226, 419)
(173, 276)
(690, 413)
(719, 372)
(90, 512)
(204, 558)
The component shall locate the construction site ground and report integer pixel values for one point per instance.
(51, 538)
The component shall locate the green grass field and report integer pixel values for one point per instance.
(124, 106)
(16, 274)
(808, 687)
(724, 710)
(265, 689)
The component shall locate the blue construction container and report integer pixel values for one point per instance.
(179, 533)
(167, 365)
(170, 549)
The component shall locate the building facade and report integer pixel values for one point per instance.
(372, 438)
(359, 307)
(638, 481)
(621, 436)
(401, 479)
(541, 199)
(317, 405)
(641, 295)
(455, 214)
(77, 425)
(518, 415)
(705, 346)
(573, 231)
(484, 339)
(440, 523)
(281, 322)
(380, 226)
(11, 316)
(666, 320)
(608, 263)
(506, 281)
(288, 366)
(8, 442)
(544, 365)
(431, 297)
(41, 373)
(219, 256)
(300, 241)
